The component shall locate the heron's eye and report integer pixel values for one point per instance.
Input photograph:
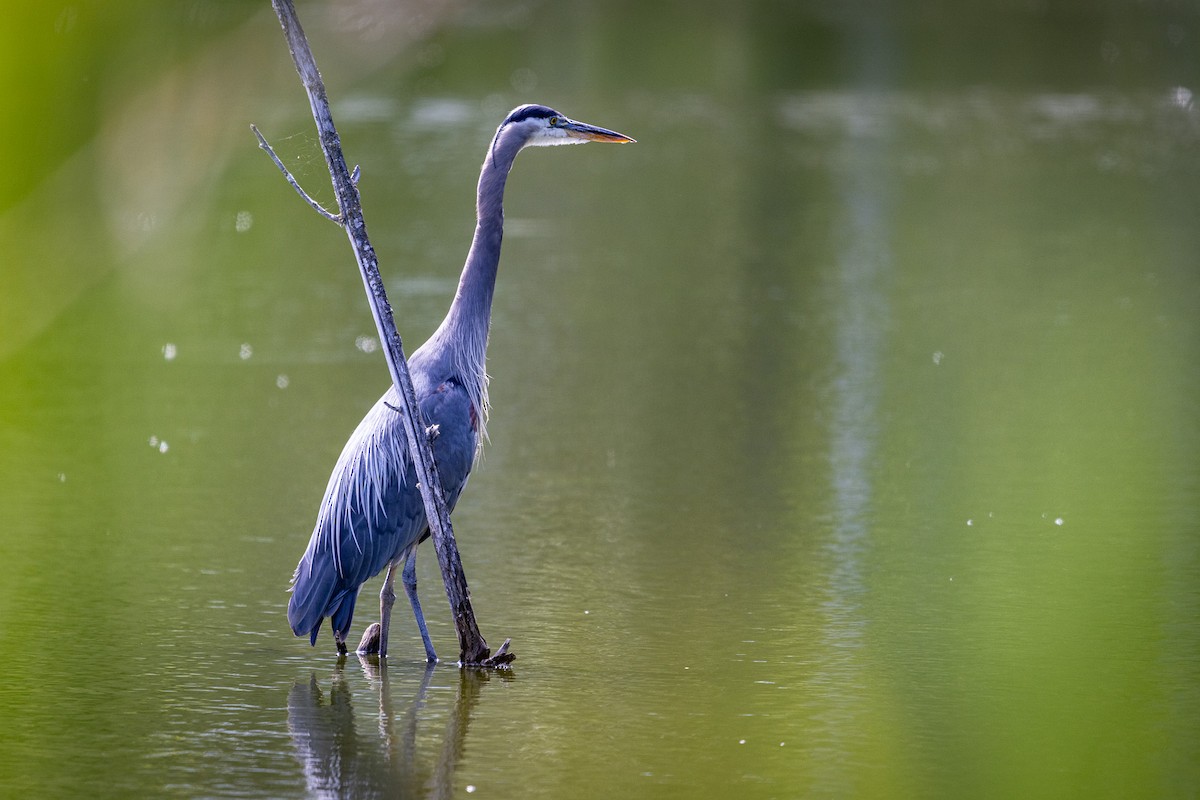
(554, 122)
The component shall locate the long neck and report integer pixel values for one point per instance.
(471, 311)
(463, 334)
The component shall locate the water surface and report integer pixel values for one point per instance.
(844, 429)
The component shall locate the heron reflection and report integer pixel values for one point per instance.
(342, 759)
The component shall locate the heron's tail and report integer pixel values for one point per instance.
(317, 593)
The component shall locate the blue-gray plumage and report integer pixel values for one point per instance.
(372, 515)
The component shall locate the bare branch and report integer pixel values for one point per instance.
(262, 142)
(473, 650)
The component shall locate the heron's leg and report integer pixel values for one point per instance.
(387, 597)
(410, 587)
(374, 638)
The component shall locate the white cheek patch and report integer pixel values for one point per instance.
(549, 137)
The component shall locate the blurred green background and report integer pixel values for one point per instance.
(844, 432)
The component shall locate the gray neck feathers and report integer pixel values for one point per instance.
(462, 337)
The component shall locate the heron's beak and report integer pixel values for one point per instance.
(590, 133)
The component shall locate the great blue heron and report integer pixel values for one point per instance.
(372, 515)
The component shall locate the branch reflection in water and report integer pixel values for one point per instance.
(340, 761)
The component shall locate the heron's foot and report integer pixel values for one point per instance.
(369, 645)
(341, 646)
(501, 659)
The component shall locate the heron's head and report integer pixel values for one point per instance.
(539, 126)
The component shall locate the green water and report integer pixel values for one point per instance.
(845, 428)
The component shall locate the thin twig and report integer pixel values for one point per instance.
(262, 142)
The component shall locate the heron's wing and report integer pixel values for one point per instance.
(370, 513)
(371, 506)
(372, 510)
